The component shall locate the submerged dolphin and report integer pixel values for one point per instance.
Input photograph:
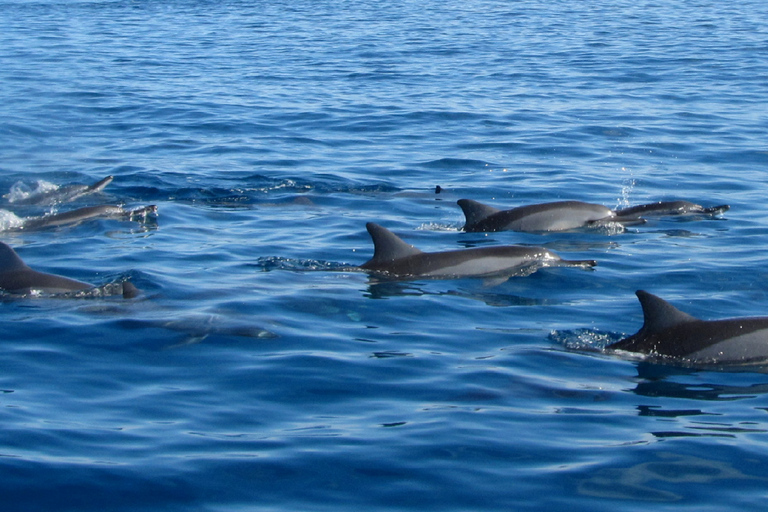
(87, 213)
(557, 216)
(668, 208)
(16, 277)
(395, 257)
(64, 193)
(668, 332)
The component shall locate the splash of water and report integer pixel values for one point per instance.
(626, 189)
(21, 191)
(9, 220)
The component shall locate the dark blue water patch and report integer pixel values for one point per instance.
(244, 190)
(73, 485)
(454, 163)
(745, 157)
(495, 146)
(11, 130)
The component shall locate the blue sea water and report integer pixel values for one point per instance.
(256, 372)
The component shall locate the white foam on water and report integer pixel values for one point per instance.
(9, 220)
(21, 191)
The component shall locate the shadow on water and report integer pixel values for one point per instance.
(661, 381)
(666, 477)
(378, 289)
(656, 380)
(381, 287)
(665, 403)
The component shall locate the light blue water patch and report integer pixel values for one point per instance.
(258, 370)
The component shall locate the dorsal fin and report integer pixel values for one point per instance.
(9, 260)
(388, 246)
(99, 185)
(659, 314)
(474, 211)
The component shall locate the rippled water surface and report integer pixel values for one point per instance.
(258, 371)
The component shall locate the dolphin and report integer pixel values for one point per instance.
(17, 278)
(394, 257)
(567, 215)
(667, 332)
(557, 216)
(87, 213)
(64, 193)
(669, 208)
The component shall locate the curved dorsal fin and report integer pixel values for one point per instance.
(99, 185)
(659, 314)
(474, 211)
(9, 260)
(388, 246)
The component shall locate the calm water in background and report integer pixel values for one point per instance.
(254, 374)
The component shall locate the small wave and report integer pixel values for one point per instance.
(437, 226)
(113, 289)
(608, 228)
(269, 263)
(584, 340)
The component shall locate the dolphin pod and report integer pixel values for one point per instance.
(17, 277)
(394, 257)
(667, 332)
(568, 215)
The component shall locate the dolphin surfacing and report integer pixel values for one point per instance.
(396, 258)
(569, 215)
(64, 193)
(17, 278)
(667, 332)
(88, 213)
(557, 216)
(669, 208)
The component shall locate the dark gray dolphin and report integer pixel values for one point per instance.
(87, 213)
(17, 277)
(668, 332)
(64, 193)
(669, 208)
(557, 216)
(496, 264)
(567, 215)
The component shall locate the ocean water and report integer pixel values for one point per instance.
(258, 372)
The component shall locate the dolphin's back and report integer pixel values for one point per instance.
(17, 277)
(556, 216)
(669, 332)
(72, 217)
(394, 256)
(669, 208)
(479, 262)
(25, 280)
